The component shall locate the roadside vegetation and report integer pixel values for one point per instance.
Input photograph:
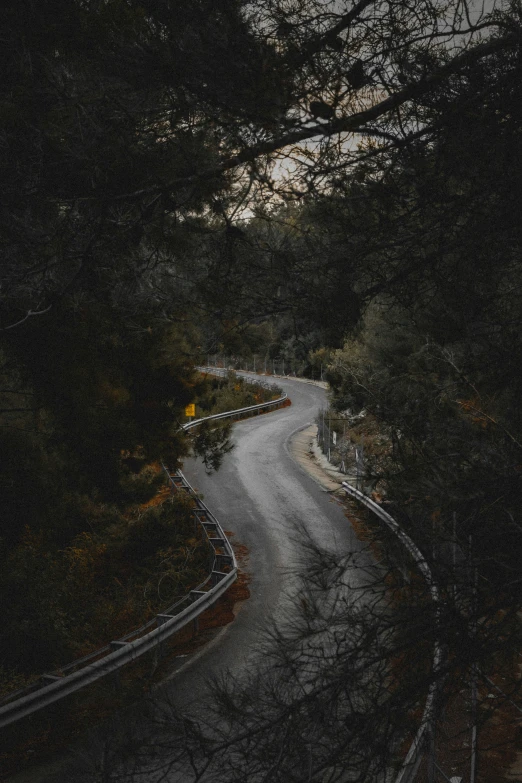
(83, 572)
(107, 580)
(327, 187)
(233, 391)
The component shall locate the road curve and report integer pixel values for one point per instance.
(263, 496)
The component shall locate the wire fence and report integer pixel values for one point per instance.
(336, 441)
(261, 363)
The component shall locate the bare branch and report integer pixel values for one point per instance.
(29, 314)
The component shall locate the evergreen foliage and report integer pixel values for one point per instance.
(351, 171)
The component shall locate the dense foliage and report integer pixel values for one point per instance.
(278, 177)
(62, 602)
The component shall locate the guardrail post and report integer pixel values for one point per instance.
(116, 680)
(117, 645)
(115, 676)
(157, 655)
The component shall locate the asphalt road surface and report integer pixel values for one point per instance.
(270, 503)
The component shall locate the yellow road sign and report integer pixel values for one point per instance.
(190, 410)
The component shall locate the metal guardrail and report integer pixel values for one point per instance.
(415, 753)
(240, 411)
(56, 685)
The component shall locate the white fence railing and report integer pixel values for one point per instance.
(52, 687)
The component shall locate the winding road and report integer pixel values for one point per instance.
(264, 496)
(267, 499)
